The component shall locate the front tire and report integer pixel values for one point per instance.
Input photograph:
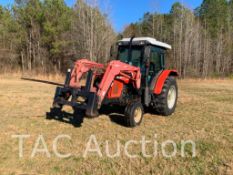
(134, 114)
(165, 103)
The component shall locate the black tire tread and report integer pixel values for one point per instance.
(161, 100)
(129, 114)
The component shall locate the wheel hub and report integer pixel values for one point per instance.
(138, 115)
(171, 97)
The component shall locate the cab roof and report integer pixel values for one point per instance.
(149, 40)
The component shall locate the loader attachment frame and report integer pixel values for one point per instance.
(69, 96)
(94, 96)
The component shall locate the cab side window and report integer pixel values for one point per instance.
(156, 63)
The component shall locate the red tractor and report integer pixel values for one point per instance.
(136, 79)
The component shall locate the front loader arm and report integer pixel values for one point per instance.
(82, 66)
(117, 68)
(91, 100)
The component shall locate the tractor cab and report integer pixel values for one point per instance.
(144, 52)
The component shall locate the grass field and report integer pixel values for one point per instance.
(204, 114)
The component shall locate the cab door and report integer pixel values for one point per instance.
(156, 62)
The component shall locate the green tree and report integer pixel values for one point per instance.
(8, 40)
(56, 24)
(214, 14)
(29, 16)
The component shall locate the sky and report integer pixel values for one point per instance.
(123, 12)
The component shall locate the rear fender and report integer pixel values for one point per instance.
(161, 78)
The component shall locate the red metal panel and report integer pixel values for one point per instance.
(161, 80)
(114, 69)
(116, 89)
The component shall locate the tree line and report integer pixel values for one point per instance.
(202, 39)
(47, 36)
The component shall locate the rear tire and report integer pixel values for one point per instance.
(165, 103)
(134, 114)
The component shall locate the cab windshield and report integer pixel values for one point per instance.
(137, 55)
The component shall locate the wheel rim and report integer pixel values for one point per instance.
(171, 97)
(137, 115)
